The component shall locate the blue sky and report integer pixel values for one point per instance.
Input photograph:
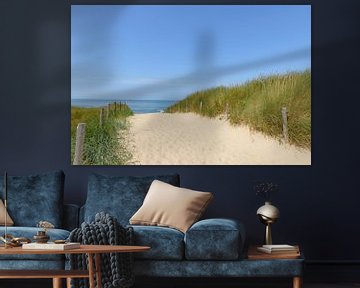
(166, 52)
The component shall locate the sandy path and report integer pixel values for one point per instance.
(190, 139)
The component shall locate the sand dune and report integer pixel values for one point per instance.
(190, 139)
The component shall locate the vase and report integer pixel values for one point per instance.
(41, 237)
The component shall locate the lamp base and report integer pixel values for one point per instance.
(268, 237)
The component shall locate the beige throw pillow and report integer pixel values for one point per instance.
(170, 206)
(10, 222)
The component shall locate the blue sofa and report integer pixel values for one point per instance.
(32, 199)
(210, 248)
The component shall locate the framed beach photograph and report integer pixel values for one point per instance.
(191, 84)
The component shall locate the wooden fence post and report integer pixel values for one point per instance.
(115, 107)
(79, 144)
(102, 116)
(227, 110)
(108, 111)
(284, 114)
(200, 106)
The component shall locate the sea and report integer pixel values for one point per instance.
(137, 106)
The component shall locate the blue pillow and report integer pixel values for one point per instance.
(120, 196)
(35, 198)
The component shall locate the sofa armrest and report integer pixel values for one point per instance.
(215, 239)
(71, 216)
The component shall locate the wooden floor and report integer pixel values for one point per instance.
(339, 285)
(47, 284)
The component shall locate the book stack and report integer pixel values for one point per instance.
(279, 249)
(51, 246)
(274, 252)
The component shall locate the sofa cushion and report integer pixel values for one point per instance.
(169, 206)
(29, 232)
(165, 243)
(214, 239)
(35, 198)
(120, 196)
(9, 221)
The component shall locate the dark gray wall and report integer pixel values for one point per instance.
(318, 203)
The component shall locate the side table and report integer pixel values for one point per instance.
(288, 259)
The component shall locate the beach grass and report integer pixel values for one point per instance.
(258, 104)
(103, 144)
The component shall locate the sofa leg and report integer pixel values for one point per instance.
(297, 282)
(57, 283)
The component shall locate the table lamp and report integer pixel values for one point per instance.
(268, 214)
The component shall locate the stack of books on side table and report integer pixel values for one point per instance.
(51, 246)
(274, 252)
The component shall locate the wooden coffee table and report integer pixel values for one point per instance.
(57, 275)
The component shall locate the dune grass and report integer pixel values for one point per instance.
(258, 104)
(103, 144)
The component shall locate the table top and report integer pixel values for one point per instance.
(92, 249)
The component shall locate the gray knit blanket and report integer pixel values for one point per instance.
(116, 268)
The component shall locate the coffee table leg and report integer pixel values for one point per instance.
(98, 270)
(57, 283)
(297, 282)
(68, 282)
(91, 270)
